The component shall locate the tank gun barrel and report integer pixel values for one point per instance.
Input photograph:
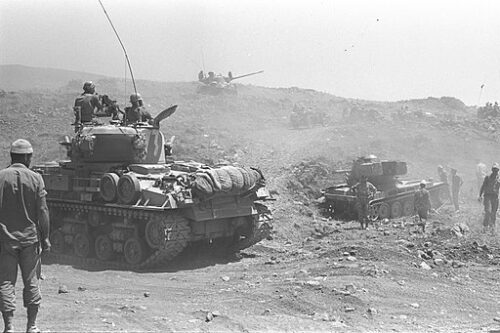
(244, 75)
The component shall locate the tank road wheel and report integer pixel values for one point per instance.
(156, 232)
(134, 251)
(373, 212)
(57, 241)
(108, 186)
(104, 248)
(82, 245)
(129, 189)
(384, 211)
(396, 209)
(408, 208)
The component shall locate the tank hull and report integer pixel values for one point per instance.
(340, 201)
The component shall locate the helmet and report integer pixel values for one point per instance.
(134, 98)
(495, 166)
(21, 146)
(88, 85)
(423, 182)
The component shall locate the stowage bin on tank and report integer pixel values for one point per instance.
(117, 200)
(394, 197)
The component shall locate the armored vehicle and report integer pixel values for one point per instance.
(219, 84)
(394, 197)
(118, 201)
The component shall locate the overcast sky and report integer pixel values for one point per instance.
(380, 50)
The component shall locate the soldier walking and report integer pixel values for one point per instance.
(24, 230)
(489, 190)
(456, 184)
(422, 204)
(364, 192)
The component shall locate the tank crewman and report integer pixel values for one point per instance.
(364, 192)
(24, 230)
(87, 103)
(201, 76)
(422, 204)
(489, 191)
(456, 184)
(137, 112)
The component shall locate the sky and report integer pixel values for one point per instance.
(369, 49)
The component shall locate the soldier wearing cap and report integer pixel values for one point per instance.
(364, 192)
(422, 204)
(24, 230)
(87, 104)
(489, 191)
(137, 112)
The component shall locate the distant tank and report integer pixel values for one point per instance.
(394, 197)
(219, 84)
(117, 201)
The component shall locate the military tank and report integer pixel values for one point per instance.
(394, 197)
(219, 84)
(118, 201)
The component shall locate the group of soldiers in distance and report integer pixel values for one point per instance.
(211, 77)
(488, 185)
(90, 105)
(489, 110)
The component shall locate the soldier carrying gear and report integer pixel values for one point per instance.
(24, 230)
(422, 204)
(137, 112)
(364, 192)
(489, 190)
(86, 104)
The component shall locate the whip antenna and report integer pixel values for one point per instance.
(123, 47)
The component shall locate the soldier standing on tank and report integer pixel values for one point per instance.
(86, 104)
(364, 192)
(137, 112)
(24, 230)
(489, 190)
(422, 204)
(456, 184)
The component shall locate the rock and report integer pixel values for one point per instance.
(351, 258)
(425, 266)
(345, 254)
(497, 319)
(216, 313)
(351, 288)
(415, 305)
(403, 317)
(225, 278)
(147, 294)
(82, 288)
(457, 264)
(422, 255)
(349, 309)
(321, 316)
(266, 312)
(438, 262)
(63, 289)
(312, 283)
(209, 317)
(372, 311)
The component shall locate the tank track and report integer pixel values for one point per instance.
(177, 241)
(261, 229)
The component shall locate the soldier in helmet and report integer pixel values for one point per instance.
(87, 103)
(24, 230)
(364, 192)
(137, 112)
(489, 191)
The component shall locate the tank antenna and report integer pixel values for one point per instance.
(123, 47)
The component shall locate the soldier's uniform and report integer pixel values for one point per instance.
(86, 104)
(456, 183)
(23, 215)
(364, 191)
(137, 112)
(489, 190)
(422, 204)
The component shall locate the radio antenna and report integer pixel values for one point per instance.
(123, 47)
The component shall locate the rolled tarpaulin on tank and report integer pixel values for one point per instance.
(236, 177)
(202, 184)
(225, 180)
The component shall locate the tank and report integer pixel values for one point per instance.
(118, 199)
(394, 197)
(212, 84)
